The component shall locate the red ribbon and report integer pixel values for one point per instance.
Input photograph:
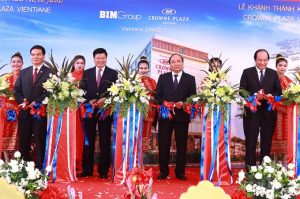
(105, 114)
(41, 112)
(152, 105)
(198, 107)
(188, 108)
(275, 104)
(239, 194)
(82, 110)
(139, 179)
(252, 107)
(170, 106)
(52, 192)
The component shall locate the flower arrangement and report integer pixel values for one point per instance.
(4, 84)
(292, 93)
(24, 175)
(127, 90)
(64, 91)
(4, 87)
(269, 180)
(139, 183)
(215, 90)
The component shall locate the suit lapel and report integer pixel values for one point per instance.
(93, 78)
(265, 76)
(180, 83)
(104, 76)
(28, 76)
(170, 81)
(255, 75)
(39, 74)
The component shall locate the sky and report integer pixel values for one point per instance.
(216, 27)
(74, 27)
(232, 29)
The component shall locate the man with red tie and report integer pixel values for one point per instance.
(28, 91)
(95, 82)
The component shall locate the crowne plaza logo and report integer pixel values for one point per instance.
(168, 11)
(169, 16)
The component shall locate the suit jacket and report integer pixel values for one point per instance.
(270, 84)
(89, 84)
(166, 92)
(24, 88)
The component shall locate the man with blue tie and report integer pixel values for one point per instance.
(261, 81)
(175, 86)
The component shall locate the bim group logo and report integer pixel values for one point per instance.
(113, 14)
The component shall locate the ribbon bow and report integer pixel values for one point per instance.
(11, 115)
(252, 102)
(274, 102)
(166, 109)
(38, 110)
(86, 110)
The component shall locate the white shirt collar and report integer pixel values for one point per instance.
(38, 69)
(258, 70)
(178, 76)
(102, 70)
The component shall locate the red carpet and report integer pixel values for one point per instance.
(94, 187)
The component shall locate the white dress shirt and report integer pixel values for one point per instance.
(178, 76)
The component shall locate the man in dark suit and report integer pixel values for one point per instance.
(255, 80)
(29, 88)
(95, 82)
(175, 86)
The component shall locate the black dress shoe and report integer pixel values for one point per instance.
(181, 177)
(103, 176)
(83, 174)
(162, 177)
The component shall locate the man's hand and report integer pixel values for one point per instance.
(100, 102)
(260, 96)
(32, 104)
(179, 104)
(92, 102)
(24, 105)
